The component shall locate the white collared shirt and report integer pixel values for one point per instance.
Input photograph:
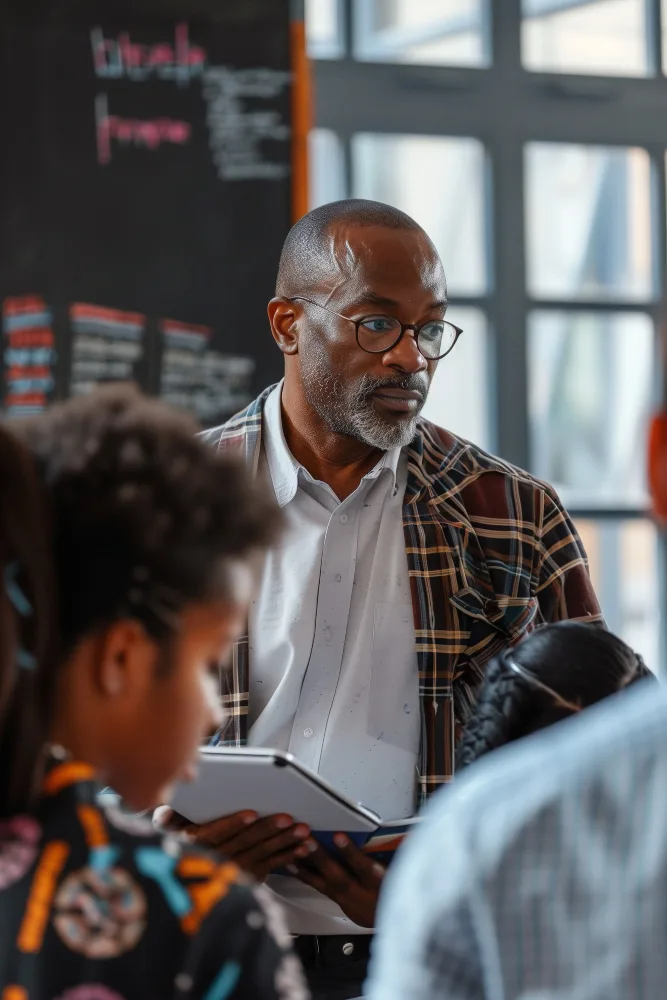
(333, 668)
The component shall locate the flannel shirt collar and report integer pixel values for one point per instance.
(284, 469)
(437, 474)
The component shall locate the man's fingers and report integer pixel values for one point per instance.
(248, 840)
(221, 831)
(369, 872)
(309, 878)
(286, 859)
(276, 845)
(257, 833)
(336, 879)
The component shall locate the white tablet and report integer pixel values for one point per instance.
(267, 781)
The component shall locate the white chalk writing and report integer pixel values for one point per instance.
(237, 129)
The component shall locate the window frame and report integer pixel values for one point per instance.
(506, 106)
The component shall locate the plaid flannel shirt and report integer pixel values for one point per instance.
(491, 554)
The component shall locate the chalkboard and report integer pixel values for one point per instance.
(145, 198)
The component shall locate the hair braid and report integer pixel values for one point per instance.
(503, 701)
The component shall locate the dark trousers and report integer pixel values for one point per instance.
(335, 965)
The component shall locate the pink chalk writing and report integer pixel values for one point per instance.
(149, 133)
(115, 58)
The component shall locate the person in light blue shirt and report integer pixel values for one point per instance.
(541, 872)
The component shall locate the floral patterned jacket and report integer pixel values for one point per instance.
(95, 905)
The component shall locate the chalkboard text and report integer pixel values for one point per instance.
(29, 355)
(149, 133)
(115, 58)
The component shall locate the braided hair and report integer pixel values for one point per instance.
(556, 669)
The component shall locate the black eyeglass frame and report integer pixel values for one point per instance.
(404, 326)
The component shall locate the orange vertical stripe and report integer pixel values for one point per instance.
(302, 117)
(93, 826)
(42, 891)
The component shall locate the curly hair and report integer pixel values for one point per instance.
(136, 492)
(146, 519)
(581, 664)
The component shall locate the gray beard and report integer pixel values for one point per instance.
(350, 411)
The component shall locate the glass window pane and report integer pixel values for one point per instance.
(459, 396)
(323, 29)
(588, 221)
(590, 388)
(326, 174)
(602, 37)
(440, 182)
(436, 32)
(623, 557)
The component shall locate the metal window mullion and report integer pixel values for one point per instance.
(659, 237)
(506, 36)
(659, 234)
(653, 16)
(651, 307)
(346, 26)
(606, 513)
(508, 315)
(348, 163)
(437, 100)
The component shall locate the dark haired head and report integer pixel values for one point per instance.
(25, 563)
(557, 670)
(134, 490)
(147, 520)
(306, 257)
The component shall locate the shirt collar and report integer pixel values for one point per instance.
(284, 468)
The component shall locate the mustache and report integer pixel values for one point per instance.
(409, 383)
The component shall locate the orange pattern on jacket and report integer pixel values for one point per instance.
(42, 891)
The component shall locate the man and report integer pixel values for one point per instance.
(411, 557)
(542, 872)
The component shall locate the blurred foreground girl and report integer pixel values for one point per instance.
(126, 551)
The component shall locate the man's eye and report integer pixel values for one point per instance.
(432, 331)
(378, 324)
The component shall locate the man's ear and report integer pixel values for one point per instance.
(283, 317)
(124, 661)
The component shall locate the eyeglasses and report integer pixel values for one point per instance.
(558, 699)
(378, 334)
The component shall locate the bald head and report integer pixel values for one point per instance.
(316, 248)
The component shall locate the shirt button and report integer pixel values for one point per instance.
(343, 518)
(338, 577)
(308, 733)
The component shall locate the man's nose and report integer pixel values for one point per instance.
(405, 355)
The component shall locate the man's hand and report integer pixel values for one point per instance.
(353, 882)
(258, 846)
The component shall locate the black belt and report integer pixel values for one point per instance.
(346, 954)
